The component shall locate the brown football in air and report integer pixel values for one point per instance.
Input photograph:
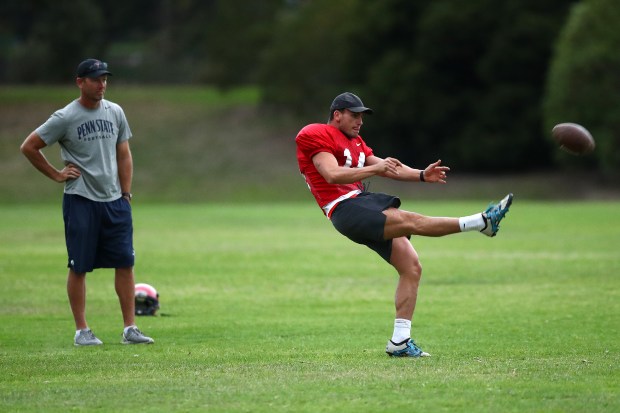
(573, 138)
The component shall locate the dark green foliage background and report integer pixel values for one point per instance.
(477, 83)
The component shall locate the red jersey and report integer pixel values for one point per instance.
(349, 152)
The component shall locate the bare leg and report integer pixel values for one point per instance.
(125, 289)
(76, 291)
(401, 223)
(405, 259)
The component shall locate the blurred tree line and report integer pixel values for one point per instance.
(478, 83)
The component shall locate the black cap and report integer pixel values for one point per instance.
(92, 68)
(349, 101)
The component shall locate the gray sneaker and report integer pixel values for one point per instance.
(86, 338)
(135, 336)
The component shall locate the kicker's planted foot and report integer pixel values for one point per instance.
(406, 348)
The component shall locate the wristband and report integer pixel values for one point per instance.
(422, 176)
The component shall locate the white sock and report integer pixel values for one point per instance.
(127, 328)
(472, 223)
(402, 330)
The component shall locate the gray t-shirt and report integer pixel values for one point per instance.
(88, 139)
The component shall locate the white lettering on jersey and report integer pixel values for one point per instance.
(361, 160)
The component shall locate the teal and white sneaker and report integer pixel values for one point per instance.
(494, 214)
(86, 338)
(132, 335)
(406, 348)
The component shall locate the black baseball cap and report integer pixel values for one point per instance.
(348, 100)
(92, 68)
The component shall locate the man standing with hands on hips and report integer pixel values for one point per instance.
(93, 135)
(334, 159)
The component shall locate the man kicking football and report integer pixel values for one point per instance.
(334, 159)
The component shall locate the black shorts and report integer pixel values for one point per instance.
(361, 219)
(98, 234)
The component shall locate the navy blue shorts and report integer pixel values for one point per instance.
(361, 219)
(98, 234)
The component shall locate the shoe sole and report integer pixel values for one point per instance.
(133, 342)
(408, 356)
(509, 202)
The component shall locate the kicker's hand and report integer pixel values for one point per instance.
(388, 166)
(436, 173)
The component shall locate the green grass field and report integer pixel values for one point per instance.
(266, 308)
